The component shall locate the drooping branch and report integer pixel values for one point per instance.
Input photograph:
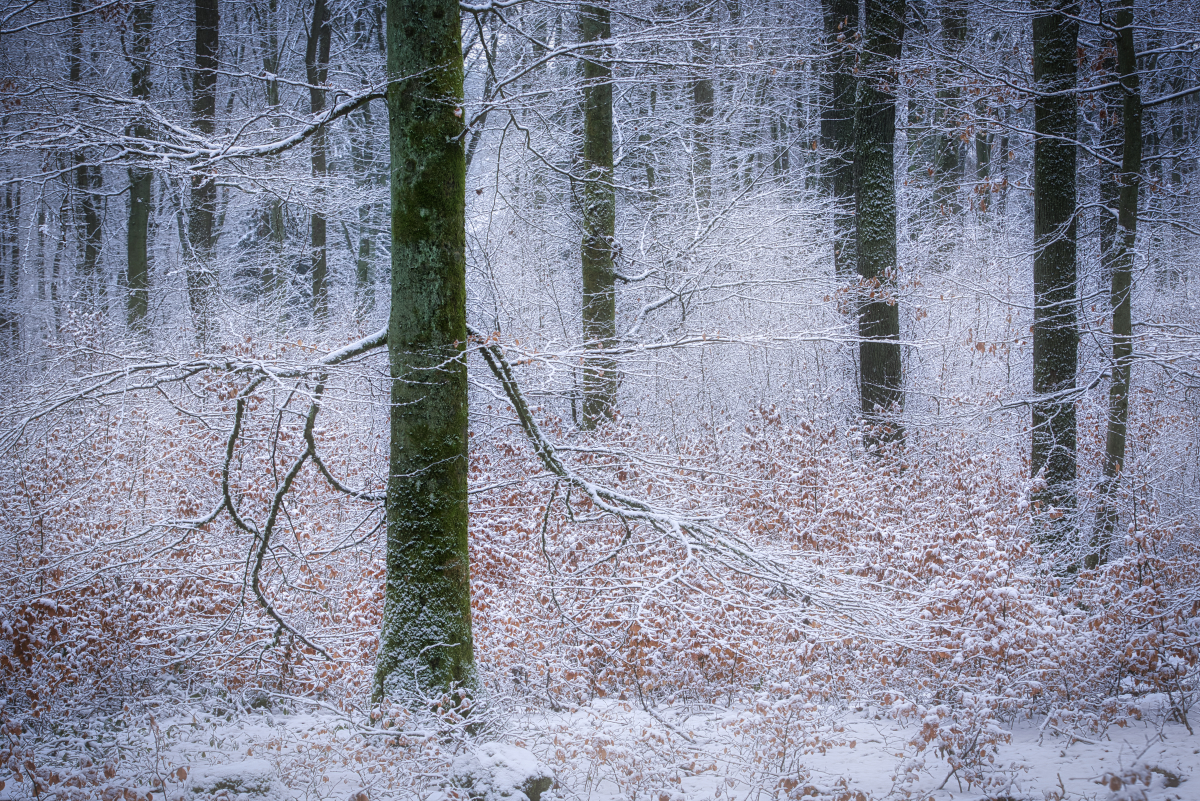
(701, 538)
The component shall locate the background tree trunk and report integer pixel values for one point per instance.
(137, 270)
(426, 644)
(1055, 332)
(273, 282)
(880, 388)
(702, 106)
(837, 128)
(1122, 283)
(950, 163)
(316, 67)
(599, 220)
(88, 179)
(203, 199)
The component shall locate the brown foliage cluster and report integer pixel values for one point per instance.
(929, 601)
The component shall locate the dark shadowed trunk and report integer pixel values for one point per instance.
(599, 220)
(837, 128)
(875, 212)
(316, 67)
(950, 162)
(137, 268)
(1121, 283)
(203, 199)
(88, 181)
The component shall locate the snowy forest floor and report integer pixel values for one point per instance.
(270, 748)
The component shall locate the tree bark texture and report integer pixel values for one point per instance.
(137, 268)
(1129, 182)
(875, 212)
(837, 128)
(599, 305)
(88, 180)
(316, 67)
(203, 198)
(1055, 330)
(426, 645)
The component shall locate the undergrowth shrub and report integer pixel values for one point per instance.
(915, 586)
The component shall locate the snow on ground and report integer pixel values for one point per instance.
(290, 750)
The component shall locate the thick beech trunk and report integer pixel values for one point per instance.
(880, 379)
(1055, 331)
(426, 645)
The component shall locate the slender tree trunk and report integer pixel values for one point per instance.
(950, 163)
(141, 181)
(203, 199)
(837, 128)
(272, 276)
(426, 645)
(1055, 332)
(371, 174)
(316, 65)
(88, 180)
(1122, 283)
(364, 156)
(880, 387)
(702, 108)
(10, 280)
(599, 220)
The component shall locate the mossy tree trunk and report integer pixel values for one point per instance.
(837, 127)
(426, 645)
(880, 389)
(137, 269)
(1122, 282)
(203, 198)
(1055, 330)
(599, 219)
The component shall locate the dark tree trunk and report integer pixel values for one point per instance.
(88, 180)
(426, 645)
(272, 276)
(702, 107)
(203, 199)
(1122, 282)
(837, 128)
(316, 66)
(875, 213)
(363, 148)
(137, 269)
(950, 164)
(10, 260)
(599, 220)
(1055, 332)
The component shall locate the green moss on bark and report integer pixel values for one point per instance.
(426, 644)
(1055, 329)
